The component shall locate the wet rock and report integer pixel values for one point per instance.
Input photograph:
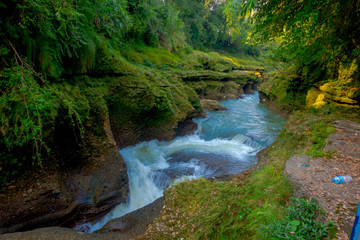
(58, 233)
(186, 127)
(126, 227)
(248, 88)
(135, 223)
(211, 105)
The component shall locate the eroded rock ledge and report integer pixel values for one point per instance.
(211, 105)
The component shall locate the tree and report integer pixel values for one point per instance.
(312, 32)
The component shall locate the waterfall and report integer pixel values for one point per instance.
(225, 143)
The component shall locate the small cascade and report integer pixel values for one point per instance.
(225, 143)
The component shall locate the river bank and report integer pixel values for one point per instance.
(189, 206)
(252, 100)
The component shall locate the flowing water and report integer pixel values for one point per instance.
(225, 143)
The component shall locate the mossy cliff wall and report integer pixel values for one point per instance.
(291, 90)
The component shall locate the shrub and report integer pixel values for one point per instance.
(300, 222)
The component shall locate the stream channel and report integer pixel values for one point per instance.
(225, 143)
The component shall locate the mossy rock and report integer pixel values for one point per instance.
(340, 93)
(276, 87)
(151, 57)
(208, 75)
(111, 62)
(312, 96)
(319, 101)
(151, 97)
(217, 90)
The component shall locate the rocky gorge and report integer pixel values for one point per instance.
(89, 177)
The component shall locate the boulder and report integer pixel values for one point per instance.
(211, 105)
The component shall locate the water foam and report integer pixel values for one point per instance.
(228, 139)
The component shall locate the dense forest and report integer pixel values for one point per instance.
(68, 68)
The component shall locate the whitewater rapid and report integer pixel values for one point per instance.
(225, 143)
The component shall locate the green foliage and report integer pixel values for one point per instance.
(152, 57)
(29, 107)
(207, 28)
(22, 109)
(241, 7)
(69, 36)
(300, 222)
(156, 23)
(311, 33)
(50, 33)
(286, 90)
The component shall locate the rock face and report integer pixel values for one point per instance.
(135, 223)
(248, 89)
(211, 105)
(312, 177)
(271, 105)
(66, 198)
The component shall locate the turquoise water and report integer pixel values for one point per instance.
(225, 143)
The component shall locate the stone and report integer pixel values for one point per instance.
(135, 223)
(211, 105)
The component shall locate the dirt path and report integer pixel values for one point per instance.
(312, 177)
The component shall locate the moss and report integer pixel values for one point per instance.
(239, 77)
(280, 91)
(318, 133)
(216, 89)
(319, 101)
(151, 56)
(110, 61)
(312, 96)
(74, 94)
(246, 63)
(151, 98)
(345, 89)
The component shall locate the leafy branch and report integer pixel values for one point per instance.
(36, 128)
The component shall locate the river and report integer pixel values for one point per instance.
(225, 143)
